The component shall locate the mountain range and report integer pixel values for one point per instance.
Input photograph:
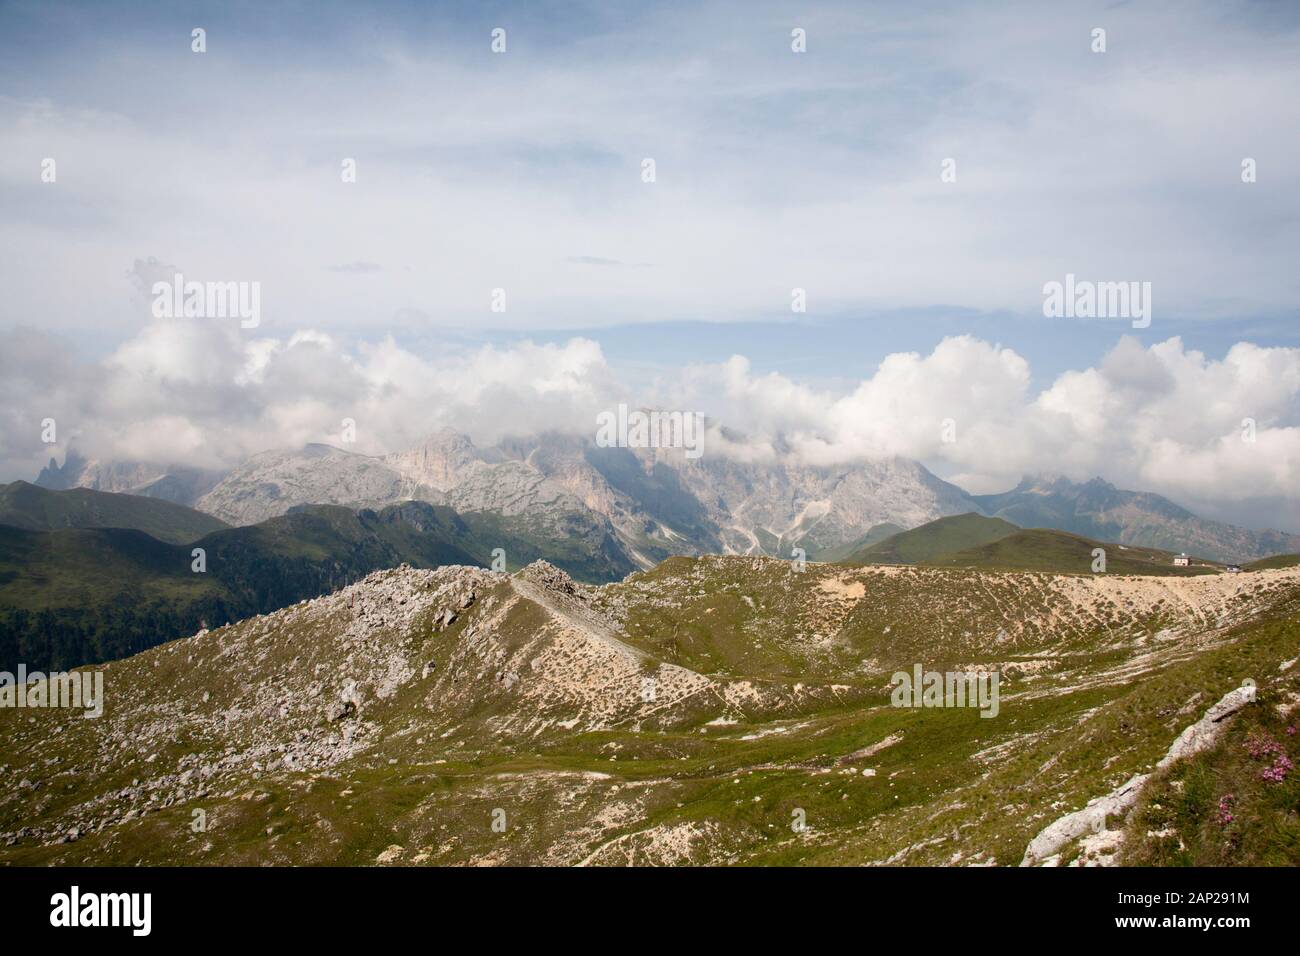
(177, 483)
(1097, 509)
(643, 505)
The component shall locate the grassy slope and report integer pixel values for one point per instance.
(1277, 561)
(1179, 822)
(940, 537)
(70, 597)
(82, 566)
(952, 788)
(23, 505)
(974, 541)
(1041, 549)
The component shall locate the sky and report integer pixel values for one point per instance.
(774, 170)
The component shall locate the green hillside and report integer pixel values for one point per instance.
(1276, 561)
(85, 595)
(75, 592)
(1220, 808)
(1041, 549)
(932, 540)
(24, 505)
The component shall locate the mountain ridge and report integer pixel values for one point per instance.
(1098, 509)
(656, 503)
(71, 596)
(716, 710)
(24, 505)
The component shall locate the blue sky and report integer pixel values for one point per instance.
(775, 170)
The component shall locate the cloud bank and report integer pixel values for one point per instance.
(1220, 432)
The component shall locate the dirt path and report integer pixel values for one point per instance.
(575, 616)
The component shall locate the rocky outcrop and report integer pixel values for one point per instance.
(441, 461)
(1205, 732)
(1045, 847)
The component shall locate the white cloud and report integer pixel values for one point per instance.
(1160, 418)
(195, 392)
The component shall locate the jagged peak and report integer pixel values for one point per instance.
(547, 575)
(445, 437)
(1045, 481)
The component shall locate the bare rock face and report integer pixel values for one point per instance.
(1091, 819)
(176, 483)
(272, 483)
(1205, 732)
(512, 488)
(442, 461)
(820, 507)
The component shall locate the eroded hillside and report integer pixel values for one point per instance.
(720, 710)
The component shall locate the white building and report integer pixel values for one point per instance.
(1182, 561)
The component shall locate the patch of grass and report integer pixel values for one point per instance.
(1276, 561)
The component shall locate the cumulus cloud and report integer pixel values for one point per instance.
(200, 393)
(1215, 432)
(1163, 418)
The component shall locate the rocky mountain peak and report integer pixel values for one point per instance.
(181, 484)
(57, 477)
(548, 576)
(1045, 483)
(442, 460)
